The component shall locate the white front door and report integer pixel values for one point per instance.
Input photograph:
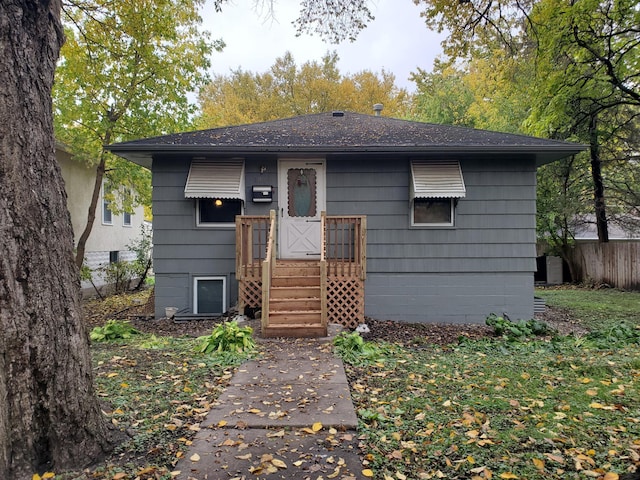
(301, 197)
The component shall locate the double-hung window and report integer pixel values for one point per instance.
(435, 188)
(218, 188)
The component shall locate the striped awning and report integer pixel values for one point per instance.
(436, 179)
(215, 179)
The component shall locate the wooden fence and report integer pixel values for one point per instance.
(616, 263)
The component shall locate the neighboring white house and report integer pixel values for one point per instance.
(111, 233)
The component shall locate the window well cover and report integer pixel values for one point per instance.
(436, 179)
(215, 179)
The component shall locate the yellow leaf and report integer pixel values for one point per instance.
(538, 463)
(279, 463)
(592, 392)
(119, 476)
(36, 477)
(195, 457)
(48, 475)
(367, 472)
(335, 473)
(298, 463)
(508, 475)
(471, 460)
(447, 403)
(401, 476)
(611, 476)
(222, 423)
(246, 456)
(316, 427)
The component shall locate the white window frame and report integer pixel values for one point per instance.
(124, 219)
(195, 293)
(216, 224)
(105, 208)
(452, 203)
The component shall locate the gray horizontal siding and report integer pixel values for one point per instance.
(494, 224)
(482, 265)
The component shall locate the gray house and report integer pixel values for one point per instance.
(330, 217)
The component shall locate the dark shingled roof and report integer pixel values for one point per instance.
(343, 132)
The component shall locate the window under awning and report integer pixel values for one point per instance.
(436, 179)
(216, 179)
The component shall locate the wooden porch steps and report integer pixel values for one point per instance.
(295, 307)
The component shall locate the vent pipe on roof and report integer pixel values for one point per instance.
(338, 113)
(377, 108)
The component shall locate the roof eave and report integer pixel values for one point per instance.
(142, 154)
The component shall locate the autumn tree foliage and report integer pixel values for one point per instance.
(569, 67)
(125, 71)
(288, 89)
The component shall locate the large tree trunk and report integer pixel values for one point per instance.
(598, 183)
(49, 414)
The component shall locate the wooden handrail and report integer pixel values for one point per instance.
(268, 265)
(252, 234)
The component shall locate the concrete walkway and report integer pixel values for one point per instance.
(285, 415)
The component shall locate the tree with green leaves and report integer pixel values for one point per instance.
(585, 56)
(130, 84)
(288, 89)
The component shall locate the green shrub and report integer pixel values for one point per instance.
(113, 330)
(228, 337)
(521, 329)
(353, 349)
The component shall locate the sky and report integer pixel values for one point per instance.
(397, 40)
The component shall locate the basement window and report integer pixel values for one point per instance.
(209, 295)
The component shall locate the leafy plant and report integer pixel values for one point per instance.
(118, 275)
(228, 337)
(113, 330)
(504, 327)
(353, 349)
(617, 335)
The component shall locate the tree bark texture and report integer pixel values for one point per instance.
(50, 418)
(598, 183)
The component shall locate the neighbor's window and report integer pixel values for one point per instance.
(126, 219)
(212, 211)
(209, 295)
(433, 211)
(107, 216)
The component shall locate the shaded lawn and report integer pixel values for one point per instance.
(595, 309)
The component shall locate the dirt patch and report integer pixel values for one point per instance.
(135, 308)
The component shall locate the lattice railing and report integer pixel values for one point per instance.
(343, 268)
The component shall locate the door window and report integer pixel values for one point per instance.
(302, 194)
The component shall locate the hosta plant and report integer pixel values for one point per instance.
(113, 330)
(228, 337)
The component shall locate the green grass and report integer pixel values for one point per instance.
(490, 408)
(596, 309)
